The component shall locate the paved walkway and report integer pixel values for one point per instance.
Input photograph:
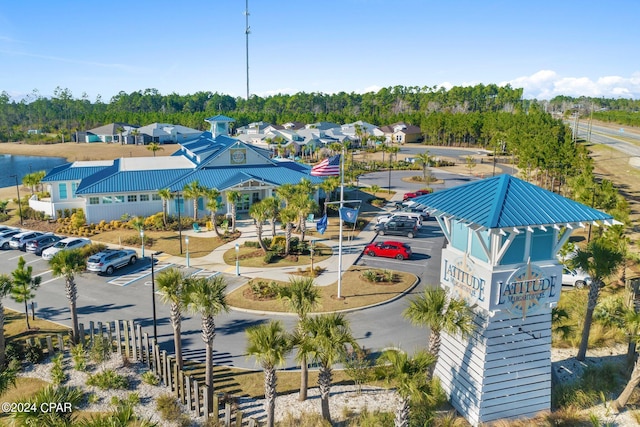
(351, 251)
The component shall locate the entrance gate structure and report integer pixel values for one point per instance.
(502, 236)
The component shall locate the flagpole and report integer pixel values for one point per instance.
(341, 222)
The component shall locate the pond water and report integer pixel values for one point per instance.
(23, 165)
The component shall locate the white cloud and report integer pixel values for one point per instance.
(546, 84)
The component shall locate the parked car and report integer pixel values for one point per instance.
(389, 249)
(396, 227)
(400, 216)
(412, 194)
(574, 277)
(64, 245)
(5, 238)
(107, 261)
(424, 215)
(40, 243)
(19, 241)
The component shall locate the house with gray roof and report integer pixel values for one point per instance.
(164, 133)
(112, 132)
(107, 190)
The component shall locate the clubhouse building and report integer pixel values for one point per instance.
(109, 189)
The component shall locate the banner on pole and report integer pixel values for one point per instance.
(321, 225)
(348, 214)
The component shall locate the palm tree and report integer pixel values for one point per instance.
(193, 191)
(166, 195)
(409, 376)
(135, 133)
(286, 193)
(171, 284)
(272, 206)
(233, 197)
(287, 216)
(425, 160)
(8, 375)
(23, 286)
(632, 324)
(439, 312)
(269, 344)
(31, 180)
(305, 205)
(153, 147)
(207, 296)
(301, 297)
(599, 260)
(328, 186)
(120, 130)
(326, 338)
(42, 399)
(5, 288)
(67, 264)
(260, 213)
(213, 205)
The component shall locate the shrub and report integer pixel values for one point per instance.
(58, 375)
(33, 353)
(93, 398)
(79, 357)
(264, 290)
(107, 380)
(269, 257)
(277, 244)
(149, 377)
(168, 407)
(92, 249)
(100, 349)
(370, 276)
(14, 351)
(251, 244)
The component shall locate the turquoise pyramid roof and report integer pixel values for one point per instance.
(504, 201)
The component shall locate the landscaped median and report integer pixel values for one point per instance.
(357, 291)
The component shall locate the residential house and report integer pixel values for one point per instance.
(112, 132)
(164, 133)
(402, 133)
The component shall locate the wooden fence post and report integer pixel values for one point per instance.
(227, 414)
(50, 345)
(253, 422)
(238, 418)
(165, 369)
(110, 334)
(125, 326)
(60, 342)
(81, 332)
(134, 341)
(99, 333)
(168, 360)
(147, 353)
(139, 343)
(196, 398)
(205, 398)
(156, 358)
(216, 404)
(187, 388)
(118, 338)
(91, 331)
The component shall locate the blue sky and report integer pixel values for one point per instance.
(99, 47)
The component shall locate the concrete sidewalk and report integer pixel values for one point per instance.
(351, 251)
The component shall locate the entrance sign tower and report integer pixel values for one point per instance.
(502, 237)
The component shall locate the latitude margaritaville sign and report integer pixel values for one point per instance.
(521, 291)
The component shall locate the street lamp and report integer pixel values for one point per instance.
(179, 223)
(153, 297)
(237, 259)
(186, 240)
(142, 241)
(19, 203)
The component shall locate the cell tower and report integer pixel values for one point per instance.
(247, 31)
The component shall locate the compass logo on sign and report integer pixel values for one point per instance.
(527, 290)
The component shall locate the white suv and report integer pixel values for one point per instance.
(577, 278)
(381, 219)
(64, 245)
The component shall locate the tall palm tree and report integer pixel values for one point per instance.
(5, 288)
(260, 213)
(304, 205)
(328, 186)
(153, 147)
(301, 297)
(166, 195)
(67, 264)
(120, 130)
(326, 340)
(436, 310)
(409, 376)
(632, 324)
(193, 191)
(233, 197)
(599, 260)
(287, 216)
(207, 296)
(31, 180)
(24, 284)
(135, 133)
(286, 193)
(171, 284)
(269, 344)
(213, 205)
(272, 205)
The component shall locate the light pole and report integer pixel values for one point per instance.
(186, 240)
(153, 297)
(237, 259)
(142, 241)
(389, 173)
(179, 223)
(19, 202)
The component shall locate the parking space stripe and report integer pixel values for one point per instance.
(43, 273)
(205, 273)
(132, 277)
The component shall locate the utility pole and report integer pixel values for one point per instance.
(246, 32)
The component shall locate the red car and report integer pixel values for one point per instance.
(390, 249)
(416, 193)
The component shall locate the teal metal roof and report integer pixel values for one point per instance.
(68, 172)
(219, 118)
(505, 201)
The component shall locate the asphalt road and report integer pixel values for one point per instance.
(616, 139)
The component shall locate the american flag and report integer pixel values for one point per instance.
(328, 167)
